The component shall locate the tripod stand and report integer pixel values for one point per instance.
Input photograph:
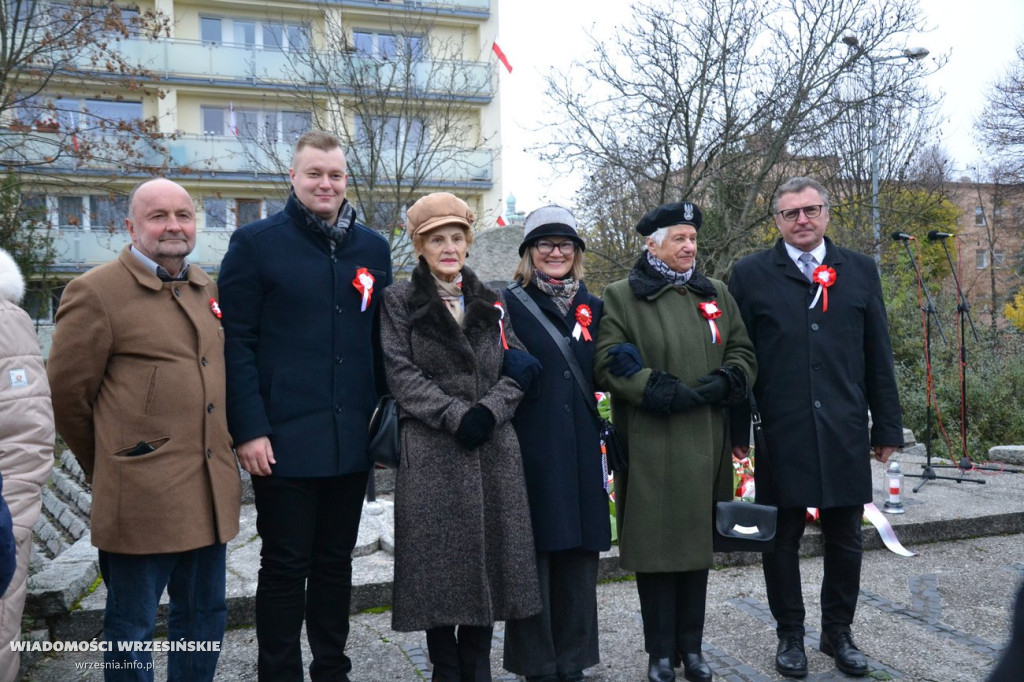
(928, 469)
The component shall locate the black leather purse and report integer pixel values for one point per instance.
(746, 526)
(385, 446)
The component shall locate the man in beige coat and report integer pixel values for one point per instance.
(137, 373)
(26, 445)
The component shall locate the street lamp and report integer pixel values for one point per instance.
(910, 54)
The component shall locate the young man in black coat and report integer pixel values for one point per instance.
(815, 314)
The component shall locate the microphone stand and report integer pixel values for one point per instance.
(963, 312)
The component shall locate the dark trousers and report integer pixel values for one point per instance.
(197, 610)
(308, 527)
(672, 608)
(843, 545)
(460, 656)
(562, 638)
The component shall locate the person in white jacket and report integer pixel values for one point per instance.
(26, 444)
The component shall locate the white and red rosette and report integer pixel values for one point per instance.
(215, 309)
(501, 324)
(364, 285)
(584, 316)
(711, 312)
(824, 277)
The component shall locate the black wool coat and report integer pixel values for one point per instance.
(558, 434)
(819, 372)
(464, 552)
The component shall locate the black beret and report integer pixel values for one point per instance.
(666, 215)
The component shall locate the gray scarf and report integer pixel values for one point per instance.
(335, 233)
(676, 279)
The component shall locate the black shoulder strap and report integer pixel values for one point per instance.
(562, 342)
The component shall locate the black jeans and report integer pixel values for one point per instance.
(672, 607)
(843, 550)
(308, 527)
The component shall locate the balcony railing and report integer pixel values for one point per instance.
(78, 249)
(448, 5)
(193, 59)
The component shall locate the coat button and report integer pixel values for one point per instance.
(202, 362)
(814, 326)
(566, 374)
(209, 408)
(339, 359)
(565, 408)
(177, 292)
(337, 407)
(337, 309)
(817, 403)
(209, 454)
(816, 366)
(334, 259)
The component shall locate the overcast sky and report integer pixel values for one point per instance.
(537, 35)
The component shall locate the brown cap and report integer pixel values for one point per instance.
(437, 210)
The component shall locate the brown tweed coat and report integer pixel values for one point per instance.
(136, 359)
(463, 543)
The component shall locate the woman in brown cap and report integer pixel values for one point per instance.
(463, 542)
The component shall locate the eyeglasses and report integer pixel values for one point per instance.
(791, 214)
(545, 247)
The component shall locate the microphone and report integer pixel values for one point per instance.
(901, 236)
(935, 235)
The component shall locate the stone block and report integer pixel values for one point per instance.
(57, 588)
(1009, 454)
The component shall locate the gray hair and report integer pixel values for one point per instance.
(799, 184)
(658, 236)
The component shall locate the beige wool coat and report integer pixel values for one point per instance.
(138, 360)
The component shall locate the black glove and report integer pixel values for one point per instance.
(520, 367)
(686, 398)
(713, 389)
(625, 360)
(476, 427)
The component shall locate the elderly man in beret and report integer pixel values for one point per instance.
(674, 352)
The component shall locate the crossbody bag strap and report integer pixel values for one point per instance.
(562, 342)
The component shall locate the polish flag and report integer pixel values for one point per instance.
(501, 56)
(501, 222)
(232, 119)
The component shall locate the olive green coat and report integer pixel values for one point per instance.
(664, 501)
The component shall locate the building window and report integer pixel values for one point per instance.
(390, 132)
(227, 214)
(107, 212)
(998, 259)
(256, 124)
(981, 258)
(33, 210)
(81, 115)
(389, 45)
(216, 210)
(71, 212)
(979, 215)
(41, 300)
(246, 211)
(268, 35)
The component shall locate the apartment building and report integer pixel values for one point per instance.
(219, 90)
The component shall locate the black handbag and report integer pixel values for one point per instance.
(614, 448)
(384, 448)
(746, 526)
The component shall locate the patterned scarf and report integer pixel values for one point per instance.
(562, 291)
(451, 295)
(335, 233)
(676, 279)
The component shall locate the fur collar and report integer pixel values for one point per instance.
(646, 282)
(12, 284)
(428, 311)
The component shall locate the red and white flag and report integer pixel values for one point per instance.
(501, 56)
(232, 119)
(501, 222)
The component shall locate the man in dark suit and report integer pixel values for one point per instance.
(299, 291)
(815, 314)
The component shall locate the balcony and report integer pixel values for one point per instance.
(78, 250)
(453, 6)
(183, 61)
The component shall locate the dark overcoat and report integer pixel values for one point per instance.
(300, 358)
(558, 434)
(135, 359)
(818, 374)
(664, 501)
(464, 552)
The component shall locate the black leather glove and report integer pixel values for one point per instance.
(521, 367)
(625, 360)
(476, 427)
(714, 389)
(686, 398)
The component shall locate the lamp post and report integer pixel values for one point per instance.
(910, 54)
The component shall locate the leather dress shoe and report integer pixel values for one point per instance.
(695, 668)
(577, 676)
(542, 678)
(848, 657)
(660, 670)
(790, 659)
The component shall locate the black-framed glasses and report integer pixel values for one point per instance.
(544, 247)
(812, 211)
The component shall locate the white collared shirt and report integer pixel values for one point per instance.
(818, 253)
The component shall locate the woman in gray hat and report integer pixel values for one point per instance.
(463, 542)
(559, 437)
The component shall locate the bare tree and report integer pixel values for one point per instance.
(407, 106)
(1001, 124)
(718, 101)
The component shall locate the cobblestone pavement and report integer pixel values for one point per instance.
(941, 616)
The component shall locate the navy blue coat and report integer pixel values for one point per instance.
(299, 353)
(818, 374)
(559, 435)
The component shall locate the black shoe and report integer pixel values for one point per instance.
(577, 676)
(660, 670)
(790, 659)
(542, 678)
(848, 657)
(695, 668)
